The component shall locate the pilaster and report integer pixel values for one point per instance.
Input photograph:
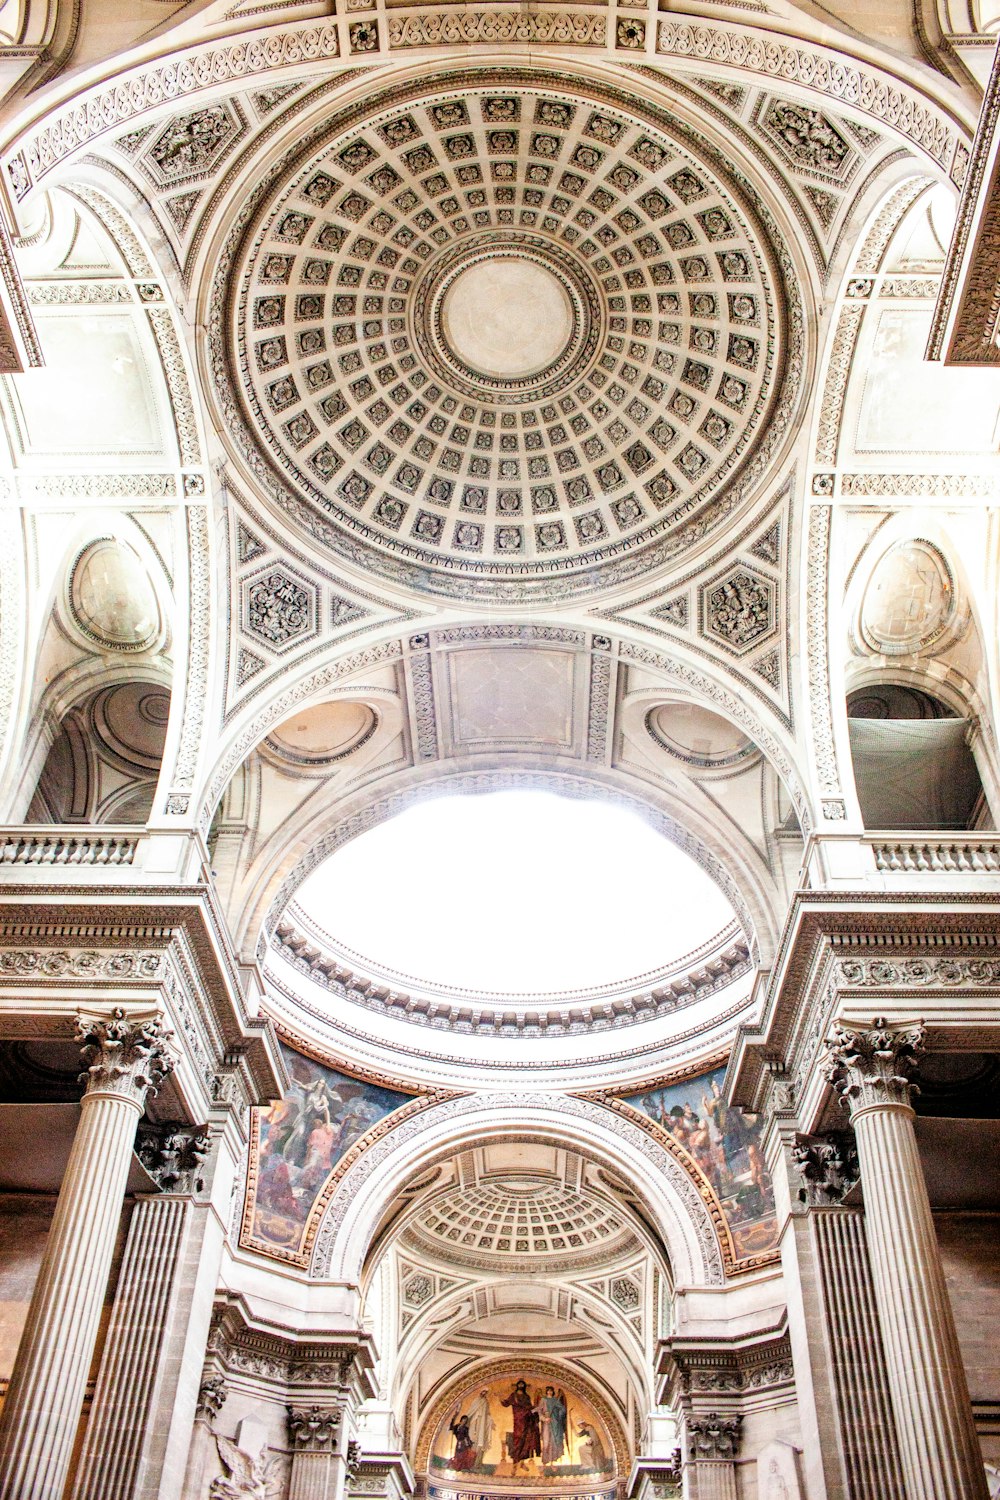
(712, 1446)
(318, 1457)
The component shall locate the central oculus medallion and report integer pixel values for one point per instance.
(506, 316)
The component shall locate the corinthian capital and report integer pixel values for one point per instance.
(871, 1065)
(124, 1055)
(314, 1428)
(713, 1437)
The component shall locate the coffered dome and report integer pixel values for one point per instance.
(502, 332)
(498, 1219)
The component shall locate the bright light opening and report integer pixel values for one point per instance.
(518, 892)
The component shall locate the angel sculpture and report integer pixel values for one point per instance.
(247, 1478)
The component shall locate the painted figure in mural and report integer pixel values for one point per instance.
(481, 1424)
(302, 1138)
(724, 1144)
(524, 1440)
(465, 1449)
(551, 1410)
(592, 1454)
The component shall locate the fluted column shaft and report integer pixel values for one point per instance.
(710, 1480)
(125, 1061)
(938, 1447)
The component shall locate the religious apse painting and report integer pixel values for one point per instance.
(297, 1145)
(724, 1144)
(524, 1427)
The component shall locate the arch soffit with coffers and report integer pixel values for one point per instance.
(358, 1206)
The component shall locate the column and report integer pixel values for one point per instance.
(856, 1431)
(938, 1447)
(713, 1443)
(138, 1378)
(318, 1472)
(126, 1057)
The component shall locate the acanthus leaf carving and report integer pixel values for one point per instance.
(870, 1066)
(174, 1154)
(828, 1166)
(714, 1438)
(124, 1055)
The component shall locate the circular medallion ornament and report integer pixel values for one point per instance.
(507, 319)
(506, 333)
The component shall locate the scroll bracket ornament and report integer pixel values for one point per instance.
(870, 1066)
(123, 1054)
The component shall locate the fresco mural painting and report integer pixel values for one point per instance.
(303, 1136)
(524, 1429)
(724, 1146)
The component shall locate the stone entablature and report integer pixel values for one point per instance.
(308, 1370)
(849, 956)
(66, 947)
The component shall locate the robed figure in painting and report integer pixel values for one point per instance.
(481, 1425)
(465, 1449)
(524, 1441)
(551, 1410)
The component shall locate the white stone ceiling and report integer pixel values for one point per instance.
(659, 361)
(499, 1221)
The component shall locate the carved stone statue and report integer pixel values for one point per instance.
(246, 1478)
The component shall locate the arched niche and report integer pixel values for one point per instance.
(104, 761)
(918, 700)
(586, 1446)
(93, 735)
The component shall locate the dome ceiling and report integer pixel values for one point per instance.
(503, 333)
(497, 1220)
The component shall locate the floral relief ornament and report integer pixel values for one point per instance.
(871, 1065)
